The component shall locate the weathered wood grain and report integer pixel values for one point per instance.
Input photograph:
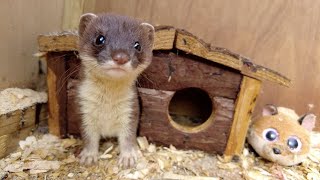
(158, 127)
(172, 72)
(164, 37)
(191, 44)
(65, 41)
(250, 89)
(14, 127)
(3, 145)
(10, 142)
(42, 112)
(16, 117)
(57, 96)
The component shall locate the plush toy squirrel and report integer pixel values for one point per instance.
(281, 136)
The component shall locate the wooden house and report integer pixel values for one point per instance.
(193, 95)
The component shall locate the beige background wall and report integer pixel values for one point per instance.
(21, 22)
(283, 35)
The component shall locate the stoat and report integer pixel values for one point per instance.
(113, 50)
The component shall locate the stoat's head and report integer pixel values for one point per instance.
(115, 46)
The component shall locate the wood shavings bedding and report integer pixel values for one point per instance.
(13, 99)
(58, 161)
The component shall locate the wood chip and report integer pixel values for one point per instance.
(42, 165)
(14, 167)
(151, 148)
(70, 175)
(173, 176)
(106, 156)
(52, 158)
(255, 174)
(31, 140)
(143, 143)
(66, 143)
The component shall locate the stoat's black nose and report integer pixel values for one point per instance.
(276, 151)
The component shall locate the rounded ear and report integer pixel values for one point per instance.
(308, 121)
(84, 21)
(149, 29)
(269, 110)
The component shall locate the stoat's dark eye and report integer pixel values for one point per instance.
(137, 46)
(100, 40)
(294, 143)
(270, 134)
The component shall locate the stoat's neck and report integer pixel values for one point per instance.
(111, 84)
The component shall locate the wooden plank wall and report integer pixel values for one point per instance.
(280, 34)
(73, 10)
(21, 22)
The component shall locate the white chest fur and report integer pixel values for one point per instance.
(106, 106)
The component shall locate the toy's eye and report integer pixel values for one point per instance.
(270, 134)
(294, 143)
(100, 40)
(137, 46)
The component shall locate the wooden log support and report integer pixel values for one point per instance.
(57, 94)
(250, 89)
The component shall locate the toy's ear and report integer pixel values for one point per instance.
(269, 110)
(84, 21)
(308, 121)
(149, 29)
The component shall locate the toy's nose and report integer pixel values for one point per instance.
(120, 58)
(276, 151)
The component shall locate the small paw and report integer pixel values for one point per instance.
(129, 158)
(88, 157)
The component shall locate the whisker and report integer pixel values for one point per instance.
(68, 70)
(63, 78)
(93, 67)
(146, 77)
(67, 77)
(138, 83)
(74, 70)
(56, 58)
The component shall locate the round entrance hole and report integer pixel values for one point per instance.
(190, 108)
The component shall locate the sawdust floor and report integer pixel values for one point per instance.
(43, 156)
